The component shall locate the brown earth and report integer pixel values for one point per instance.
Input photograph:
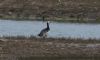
(48, 49)
(51, 9)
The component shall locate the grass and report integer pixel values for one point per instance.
(61, 19)
(59, 58)
(52, 8)
(42, 58)
(69, 40)
(33, 48)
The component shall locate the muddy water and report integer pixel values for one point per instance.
(27, 28)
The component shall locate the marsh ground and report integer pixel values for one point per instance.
(49, 49)
(59, 10)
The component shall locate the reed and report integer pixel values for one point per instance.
(63, 39)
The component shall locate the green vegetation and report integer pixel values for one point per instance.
(61, 58)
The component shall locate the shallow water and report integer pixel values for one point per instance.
(27, 28)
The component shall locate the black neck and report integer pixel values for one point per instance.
(47, 25)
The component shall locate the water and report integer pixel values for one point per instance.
(27, 28)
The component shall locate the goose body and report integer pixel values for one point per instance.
(44, 31)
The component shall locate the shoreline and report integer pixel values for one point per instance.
(59, 39)
(55, 20)
(81, 11)
(48, 49)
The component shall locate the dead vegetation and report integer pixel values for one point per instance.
(52, 9)
(48, 49)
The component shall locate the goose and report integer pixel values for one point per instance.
(44, 31)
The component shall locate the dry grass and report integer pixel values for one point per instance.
(52, 9)
(48, 49)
